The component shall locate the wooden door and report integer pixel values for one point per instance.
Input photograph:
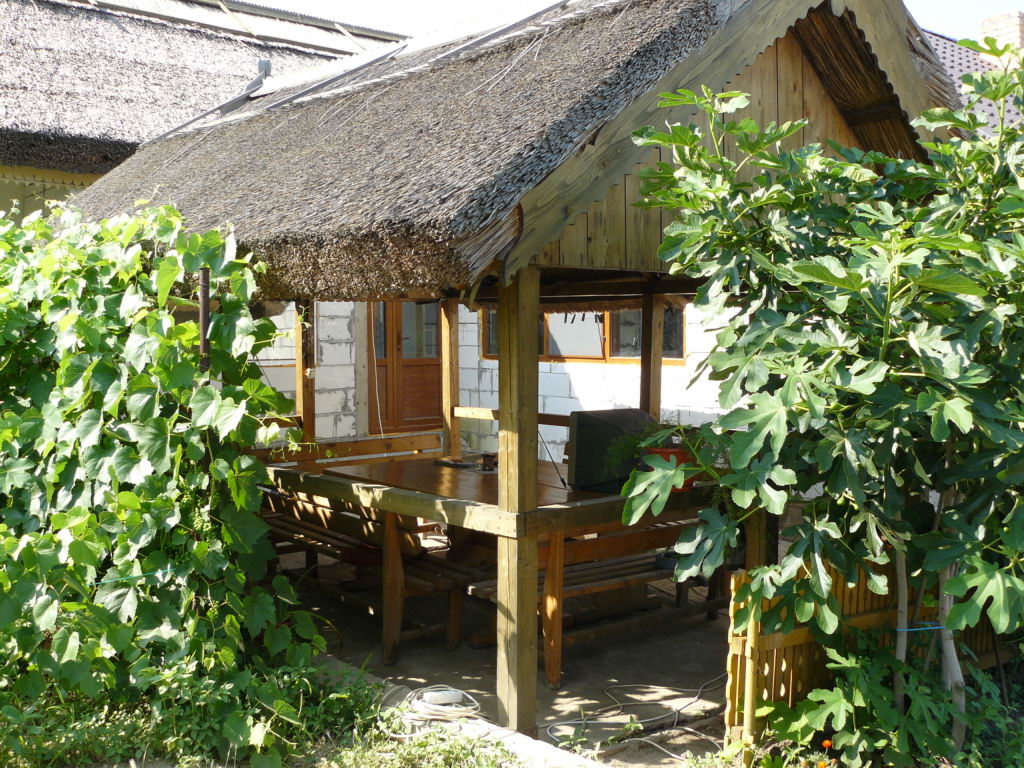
(405, 370)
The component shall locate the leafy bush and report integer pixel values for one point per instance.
(432, 748)
(180, 720)
(130, 546)
(872, 327)
(858, 720)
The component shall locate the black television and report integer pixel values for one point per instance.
(592, 436)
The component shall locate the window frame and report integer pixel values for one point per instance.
(606, 341)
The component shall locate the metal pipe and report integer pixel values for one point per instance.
(204, 318)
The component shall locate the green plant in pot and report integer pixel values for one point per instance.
(673, 445)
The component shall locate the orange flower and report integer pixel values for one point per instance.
(827, 744)
(822, 764)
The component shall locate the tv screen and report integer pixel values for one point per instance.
(595, 461)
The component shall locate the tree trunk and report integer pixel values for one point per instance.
(952, 674)
(899, 683)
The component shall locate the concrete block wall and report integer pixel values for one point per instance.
(562, 387)
(336, 384)
(574, 386)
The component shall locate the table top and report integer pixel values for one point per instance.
(428, 476)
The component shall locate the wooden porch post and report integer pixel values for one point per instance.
(518, 308)
(450, 376)
(652, 337)
(762, 539)
(305, 372)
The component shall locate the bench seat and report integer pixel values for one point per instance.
(378, 544)
(582, 579)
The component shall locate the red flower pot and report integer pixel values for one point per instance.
(681, 456)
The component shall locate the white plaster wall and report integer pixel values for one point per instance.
(566, 387)
(338, 391)
(342, 384)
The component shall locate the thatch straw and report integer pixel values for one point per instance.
(371, 189)
(405, 178)
(81, 86)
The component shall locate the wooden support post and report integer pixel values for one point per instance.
(393, 588)
(762, 538)
(552, 607)
(454, 630)
(305, 372)
(518, 308)
(450, 376)
(517, 634)
(652, 337)
(751, 684)
(204, 319)
(313, 564)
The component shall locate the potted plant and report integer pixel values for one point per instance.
(676, 444)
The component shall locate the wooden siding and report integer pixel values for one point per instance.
(615, 234)
(791, 665)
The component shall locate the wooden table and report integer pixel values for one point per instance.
(469, 484)
(463, 497)
(423, 488)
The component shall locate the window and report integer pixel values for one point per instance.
(598, 336)
(580, 334)
(625, 334)
(420, 330)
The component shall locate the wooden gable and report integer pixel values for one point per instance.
(615, 234)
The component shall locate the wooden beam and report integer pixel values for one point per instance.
(872, 114)
(466, 514)
(618, 286)
(450, 376)
(350, 449)
(478, 516)
(751, 689)
(517, 494)
(305, 371)
(491, 414)
(652, 337)
(517, 634)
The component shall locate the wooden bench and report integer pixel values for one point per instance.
(598, 559)
(378, 542)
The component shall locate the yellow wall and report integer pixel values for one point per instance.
(32, 186)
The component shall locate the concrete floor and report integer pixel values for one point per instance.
(683, 655)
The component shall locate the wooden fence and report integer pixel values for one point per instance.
(788, 666)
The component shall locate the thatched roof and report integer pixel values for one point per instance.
(404, 178)
(959, 61)
(81, 86)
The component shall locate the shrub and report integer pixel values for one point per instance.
(871, 331)
(131, 548)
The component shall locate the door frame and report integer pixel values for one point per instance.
(393, 365)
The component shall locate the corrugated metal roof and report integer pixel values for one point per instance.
(314, 11)
(239, 18)
(959, 61)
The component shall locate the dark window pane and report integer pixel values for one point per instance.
(380, 330)
(491, 339)
(420, 330)
(674, 338)
(579, 334)
(625, 340)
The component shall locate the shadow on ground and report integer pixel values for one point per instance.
(671, 674)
